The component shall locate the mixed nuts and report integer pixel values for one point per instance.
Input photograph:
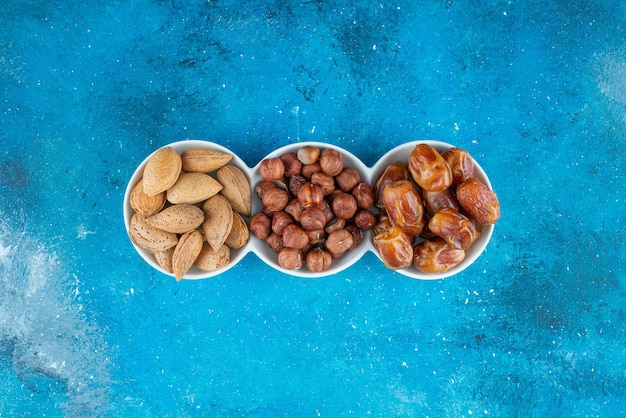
(189, 208)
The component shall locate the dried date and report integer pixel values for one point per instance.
(429, 169)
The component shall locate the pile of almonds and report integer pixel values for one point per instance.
(189, 209)
(314, 208)
(432, 209)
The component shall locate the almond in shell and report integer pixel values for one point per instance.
(148, 237)
(164, 259)
(239, 233)
(202, 160)
(236, 188)
(210, 259)
(218, 220)
(177, 219)
(161, 171)
(186, 252)
(193, 188)
(144, 204)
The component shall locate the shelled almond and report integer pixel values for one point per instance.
(189, 209)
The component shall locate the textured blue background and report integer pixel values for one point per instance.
(535, 90)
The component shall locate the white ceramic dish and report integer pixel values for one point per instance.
(267, 255)
(194, 273)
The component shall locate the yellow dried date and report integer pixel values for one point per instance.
(436, 256)
(404, 206)
(460, 163)
(393, 172)
(429, 169)
(454, 228)
(394, 247)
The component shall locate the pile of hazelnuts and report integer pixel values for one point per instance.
(314, 208)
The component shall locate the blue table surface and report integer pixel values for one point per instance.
(535, 91)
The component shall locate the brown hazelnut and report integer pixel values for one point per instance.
(316, 237)
(295, 209)
(313, 219)
(275, 199)
(364, 195)
(339, 241)
(344, 205)
(295, 237)
(327, 210)
(318, 260)
(260, 225)
(337, 255)
(272, 169)
(335, 224)
(357, 235)
(309, 169)
(290, 258)
(331, 162)
(293, 166)
(326, 182)
(310, 195)
(348, 179)
(295, 182)
(364, 219)
(262, 186)
(308, 154)
(280, 220)
(275, 242)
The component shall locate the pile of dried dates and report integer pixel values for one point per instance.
(432, 209)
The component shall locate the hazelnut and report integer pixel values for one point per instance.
(309, 169)
(316, 237)
(290, 258)
(293, 166)
(275, 199)
(260, 225)
(263, 186)
(326, 182)
(331, 162)
(295, 209)
(339, 241)
(364, 219)
(275, 242)
(295, 182)
(335, 224)
(313, 219)
(310, 195)
(364, 195)
(348, 179)
(357, 235)
(295, 237)
(318, 260)
(335, 255)
(327, 210)
(272, 169)
(344, 205)
(280, 220)
(308, 154)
